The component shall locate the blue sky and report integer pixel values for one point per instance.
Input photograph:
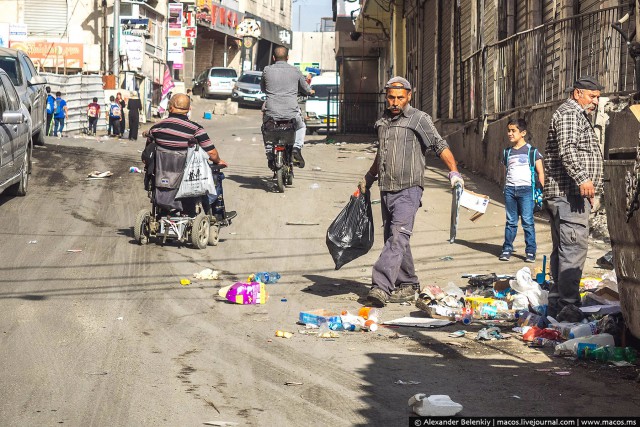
(311, 12)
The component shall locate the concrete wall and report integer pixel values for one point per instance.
(314, 47)
(269, 10)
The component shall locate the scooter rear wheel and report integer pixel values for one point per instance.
(280, 178)
(214, 234)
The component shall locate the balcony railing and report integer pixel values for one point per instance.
(537, 66)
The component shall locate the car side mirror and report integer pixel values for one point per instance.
(235, 80)
(37, 80)
(12, 117)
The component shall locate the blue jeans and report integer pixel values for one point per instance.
(518, 203)
(58, 125)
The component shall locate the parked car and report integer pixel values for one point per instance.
(247, 89)
(15, 139)
(318, 108)
(216, 81)
(30, 86)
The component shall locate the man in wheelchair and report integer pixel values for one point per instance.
(165, 157)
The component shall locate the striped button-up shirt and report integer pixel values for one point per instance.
(177, 132)
(282, 83)
(572, 154)
(404, 140)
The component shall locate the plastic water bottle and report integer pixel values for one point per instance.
(583, 330)
(600, 340)
(265, 277)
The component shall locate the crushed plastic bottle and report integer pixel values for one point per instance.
(611, 354)
(266, 277)
(584, 330)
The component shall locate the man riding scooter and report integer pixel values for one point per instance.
(282, 83)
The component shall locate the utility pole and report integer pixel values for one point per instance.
(116, 41)
(104, 54)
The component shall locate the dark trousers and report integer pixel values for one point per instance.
(115, 125)
(93, 124)
(395, 264)
(569, 220)
(49, 123)
(134, 122)
(123, 126)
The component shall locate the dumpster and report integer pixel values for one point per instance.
(625, 236)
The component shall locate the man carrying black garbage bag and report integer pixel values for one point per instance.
(404, 134)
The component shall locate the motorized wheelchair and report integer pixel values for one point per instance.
(196, 220)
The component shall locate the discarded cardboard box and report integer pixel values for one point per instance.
(475, 202)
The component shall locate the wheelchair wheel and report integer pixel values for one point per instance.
(141, 227)
(200, 231)
(280, 176)
(214, 234)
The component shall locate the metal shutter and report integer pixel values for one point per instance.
(444, 54)
(489, 36)
(522, 11)
(552, 52)
(45, 18)
(429, 49)
(413, 31)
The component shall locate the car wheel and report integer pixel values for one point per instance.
(20, 189)
(39, 139)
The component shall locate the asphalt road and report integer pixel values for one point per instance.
(107, 336)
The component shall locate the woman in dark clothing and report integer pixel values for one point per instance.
(134, 106)
(122, 104)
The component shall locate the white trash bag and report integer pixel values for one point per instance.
(197, 179)
(438, 405)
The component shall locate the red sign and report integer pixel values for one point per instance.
(191, 32)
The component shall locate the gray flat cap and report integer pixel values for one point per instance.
(396, 81)
(588, 83)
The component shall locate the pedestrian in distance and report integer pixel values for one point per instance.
(115, 116)
(93, 113)
(50, 108)
(523, 164)
(134, 106)
(123, 122)
(405, 133)
(59, 115)
(573, 178)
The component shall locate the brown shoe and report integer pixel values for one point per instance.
(403, 293)
(377, 297)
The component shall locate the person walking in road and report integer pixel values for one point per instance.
(282, 82)
(50, 107)
(115, 116)
(405, 134)
(573, 178)
(518, 191)
(135, 107)
(93, 113)
(123, 122)
(59, 115)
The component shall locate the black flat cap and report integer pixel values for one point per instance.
(588, 83)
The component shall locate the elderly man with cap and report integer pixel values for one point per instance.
(404, 134)
(573, 177)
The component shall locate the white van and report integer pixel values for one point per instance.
(318, 108)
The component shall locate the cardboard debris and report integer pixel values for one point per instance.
(99, 175)
(475, 202)
(419, 322)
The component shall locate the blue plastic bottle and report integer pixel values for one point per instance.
(265, 277)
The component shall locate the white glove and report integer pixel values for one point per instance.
(456, 179)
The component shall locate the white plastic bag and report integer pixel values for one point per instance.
(197, 179)
(525, 285)
(439, 405)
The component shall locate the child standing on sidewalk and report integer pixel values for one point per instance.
(523, 166)
(115, 116)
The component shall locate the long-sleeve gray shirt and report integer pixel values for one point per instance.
(404, 140)
(282, 83)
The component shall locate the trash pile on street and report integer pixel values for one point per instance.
(519, 303)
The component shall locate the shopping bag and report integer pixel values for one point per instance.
(350, 235)
(197, 179)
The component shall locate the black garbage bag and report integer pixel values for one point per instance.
(483, 279)
(350, 235)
